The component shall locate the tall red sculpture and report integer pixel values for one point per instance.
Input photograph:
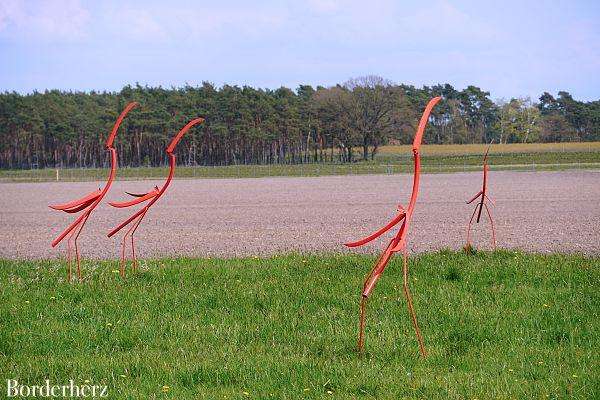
(89, 201)
(482, 195)
(398, 243)
(153, 195)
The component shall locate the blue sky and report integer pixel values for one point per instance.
(511, 48)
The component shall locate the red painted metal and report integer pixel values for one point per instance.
(482, 195)
(398, 243)
(152, 195)
(90, 201)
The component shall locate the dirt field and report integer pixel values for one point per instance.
(543, 211)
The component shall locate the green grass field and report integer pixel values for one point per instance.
(390, 159)
(502, 325)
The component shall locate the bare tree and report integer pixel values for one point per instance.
(370, 110)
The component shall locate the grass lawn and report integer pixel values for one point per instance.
(499, 325)
(390, 159)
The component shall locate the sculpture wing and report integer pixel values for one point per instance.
(69, 206)
(380, 232)
(475, 197)
(139, 198)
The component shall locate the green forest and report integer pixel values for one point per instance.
(343, 123)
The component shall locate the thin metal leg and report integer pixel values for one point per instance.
(122, 264)
(69, 245)
(123, 247)
(411, 309)
(469, 226)
(487, 209)
(361, 329)
(134, 262)
(77, 248)
(383, 259)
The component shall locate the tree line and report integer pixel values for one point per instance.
(343, 123)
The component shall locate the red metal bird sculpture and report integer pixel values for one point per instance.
(152, 195)
(482, 195)
(398, 243)
(89, 201)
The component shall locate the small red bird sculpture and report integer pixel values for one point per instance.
(89, 202)
(482, 196)
(398, 243)
(153, 195)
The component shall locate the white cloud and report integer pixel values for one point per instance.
(47, 20)
(9, 10)
(165, 22)
(324, 6)
(137, 24)
(443, 21)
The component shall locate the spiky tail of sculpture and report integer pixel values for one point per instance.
(398, 243)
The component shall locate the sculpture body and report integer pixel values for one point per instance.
(153, 195)
(482, 196)
(398, 243)
(90, 201)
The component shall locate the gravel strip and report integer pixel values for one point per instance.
(534, 211)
